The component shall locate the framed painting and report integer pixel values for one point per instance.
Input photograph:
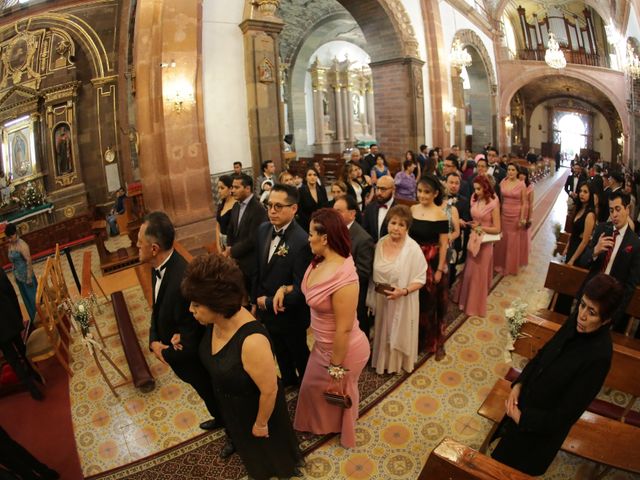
(18, 148)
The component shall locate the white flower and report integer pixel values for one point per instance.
(81, 308)
(510, 312)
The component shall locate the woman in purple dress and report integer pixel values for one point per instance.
(406, 181)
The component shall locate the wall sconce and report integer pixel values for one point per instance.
(621, 140)
(508, 124)
(179, 95)
(449, 115)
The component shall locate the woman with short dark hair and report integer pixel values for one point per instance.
(558, 384)
(405, 181)
(237, 353)
(341, 349)
(313, 196)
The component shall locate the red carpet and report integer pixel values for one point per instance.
(45, 428)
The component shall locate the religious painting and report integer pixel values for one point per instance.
(19, 148)
(63, 149)
(265, 71)
(18, 54)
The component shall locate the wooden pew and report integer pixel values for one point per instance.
(140, 373)
(452, 460)
(608, 441)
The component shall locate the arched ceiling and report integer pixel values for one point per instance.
(556, 86)
(301, 18)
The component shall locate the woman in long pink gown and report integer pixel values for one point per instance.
(508, 250)
(525, 233)
(330, 286)
(473, 291)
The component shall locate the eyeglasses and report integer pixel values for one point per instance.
(277, 206)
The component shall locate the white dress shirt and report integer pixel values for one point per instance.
(382, 213)
(161, 271)
(616, 247)
(275, 241)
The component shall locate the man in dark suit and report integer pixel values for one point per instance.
(573, 180)
(174, 336)
(283, 257)
(482, 168)
(452, 165)
(423, 156)
(11, 344)
(615, 250)
(374, 216)
(494, 168)
(362, 251)
(246, 216)
(462, 204)
(369, 159)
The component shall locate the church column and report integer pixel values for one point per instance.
(174, 168)
(319, 87)
(348, 105)
(261, 30)
(371, 114)
(337, 89)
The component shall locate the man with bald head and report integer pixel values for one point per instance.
(374, 216)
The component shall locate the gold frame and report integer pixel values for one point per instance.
(10, 130)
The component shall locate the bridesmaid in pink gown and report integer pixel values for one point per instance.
(330, 286)
(473, 291)
(513, 217)
(525, 233)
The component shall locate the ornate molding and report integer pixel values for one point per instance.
(469, 37)
(402, 23)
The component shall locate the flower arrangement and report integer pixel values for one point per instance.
(81, 310)
(516, 315)
(31, 196)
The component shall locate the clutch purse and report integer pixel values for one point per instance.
(383, 288)
(491, 237)
(336, 396)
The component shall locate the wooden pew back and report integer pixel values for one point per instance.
(565, 279)
(452, 460)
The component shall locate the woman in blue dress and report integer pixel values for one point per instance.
(20, 257)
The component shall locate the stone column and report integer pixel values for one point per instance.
(174, 167)
(348, 107)
(262, 70)
(371, 114)
(336, 85)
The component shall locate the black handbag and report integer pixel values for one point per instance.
(336, 396)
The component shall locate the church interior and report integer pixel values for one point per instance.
(111, 109)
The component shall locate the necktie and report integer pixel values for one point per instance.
(607, 258)
(275, 233)
(157, 272)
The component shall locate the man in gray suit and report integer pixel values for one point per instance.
(362, 250)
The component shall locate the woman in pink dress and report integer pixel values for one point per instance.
(525, 233)
(341, 349)
(473, 291)
(513, 219)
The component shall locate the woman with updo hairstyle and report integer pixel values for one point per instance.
(313, 196)
(399, 272)
(237, 353)
(558, 384)
(341, 349)
(430, 229)
(473, 291)
(225, 204)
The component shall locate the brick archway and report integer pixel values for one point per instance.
(396, 68)
(471, 38)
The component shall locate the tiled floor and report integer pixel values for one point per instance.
(394, 438)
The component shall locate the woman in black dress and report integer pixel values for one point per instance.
(584, 222)
(226, 201)
(313, 196)
(430, 229)
(237, 352)
(560, 382)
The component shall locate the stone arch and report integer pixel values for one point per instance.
(607, 84)
(471, 38)
(80, 30)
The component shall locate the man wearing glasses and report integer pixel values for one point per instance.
(374, 218)
(283, 257)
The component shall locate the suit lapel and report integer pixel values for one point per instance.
(621, 254)
(265, 248)
(283, 241)
(166, 278)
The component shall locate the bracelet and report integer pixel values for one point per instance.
(262, 429)
(407, 291)
(336, 371)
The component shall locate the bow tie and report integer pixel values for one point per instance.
(275, 233)
(157, 272)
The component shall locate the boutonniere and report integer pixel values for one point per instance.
(282, 250)
(452, 201)
(628, 249)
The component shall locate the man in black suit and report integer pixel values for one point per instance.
(455, 197)
(423, 156)
(11, 344)
(482, 168)
(452, 165)
(615, 250)
(494, 168)
(246, 216)
(369, 159)
(174, 336)
(573, 180)
(374, 216)
(362, 251)
(283, 257)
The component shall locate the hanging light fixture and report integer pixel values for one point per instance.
(554, 56)
(633, 62)
(459, 56)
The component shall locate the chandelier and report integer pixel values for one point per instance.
(459, 56)
(554, 56)
(633, 63)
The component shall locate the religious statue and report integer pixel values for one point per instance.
(62, 142)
